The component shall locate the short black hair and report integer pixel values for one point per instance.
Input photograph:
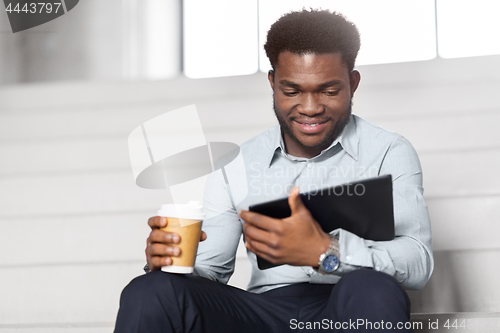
(313, 31)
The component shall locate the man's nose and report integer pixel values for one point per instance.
(310, 105)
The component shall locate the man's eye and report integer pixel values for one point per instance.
(290, 93)
(331, 92)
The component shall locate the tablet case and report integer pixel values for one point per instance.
(364, 208)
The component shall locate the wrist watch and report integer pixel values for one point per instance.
(330, 260)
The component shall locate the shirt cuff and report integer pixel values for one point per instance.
(353, 249)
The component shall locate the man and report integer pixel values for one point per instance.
(318, 143)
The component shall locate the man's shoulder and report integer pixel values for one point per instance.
(262, 141)
(372, 133)
(378, 140)
(258, 148)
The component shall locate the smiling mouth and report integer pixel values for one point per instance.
(311, 127)
(310, 123)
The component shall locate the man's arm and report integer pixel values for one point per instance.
(216, 256)
(408, 257)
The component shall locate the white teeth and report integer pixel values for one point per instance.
(312, 125)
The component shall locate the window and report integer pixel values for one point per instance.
(468, 28)
(391, 30)
(220, 38)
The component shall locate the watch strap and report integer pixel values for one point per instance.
(333, 248)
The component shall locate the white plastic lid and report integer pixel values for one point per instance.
(178, 269)
(193, 210)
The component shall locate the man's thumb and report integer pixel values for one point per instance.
(294, 201)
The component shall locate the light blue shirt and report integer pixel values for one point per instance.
(263, 171)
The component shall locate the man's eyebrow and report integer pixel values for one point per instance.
(289, 84)
(320, 87)
(330, 84)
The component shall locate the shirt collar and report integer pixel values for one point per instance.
(348, 139)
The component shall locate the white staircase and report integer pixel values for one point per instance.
(73, 223)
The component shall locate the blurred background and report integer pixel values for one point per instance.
(73, 224)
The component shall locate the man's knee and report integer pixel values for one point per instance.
(149, 287)
(370, 278)
(371, 288)
(149, 303)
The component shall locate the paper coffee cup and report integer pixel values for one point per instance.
(184, 220)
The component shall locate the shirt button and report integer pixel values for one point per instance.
(377, 268)
(348, 257)
(309, 165)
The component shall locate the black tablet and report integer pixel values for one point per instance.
(364, 208)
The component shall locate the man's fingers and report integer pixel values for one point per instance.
(157, 249)
(156, 262)
(295, 202)
(262, 250)
(259, 235)
(157, 222)
(260, 221)
(160, 236)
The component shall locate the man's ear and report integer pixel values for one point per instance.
(354, 81)
(270, 77)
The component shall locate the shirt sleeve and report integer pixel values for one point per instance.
(217, 254)
(409, 256)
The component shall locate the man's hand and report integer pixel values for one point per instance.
(296, 240)
(160, 244)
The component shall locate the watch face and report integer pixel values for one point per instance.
(330, 263)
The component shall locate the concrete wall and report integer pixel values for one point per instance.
(73, 223)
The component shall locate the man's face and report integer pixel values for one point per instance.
(312, 100)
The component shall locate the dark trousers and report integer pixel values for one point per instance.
(363, 301)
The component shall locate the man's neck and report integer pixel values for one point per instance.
(293, 148)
